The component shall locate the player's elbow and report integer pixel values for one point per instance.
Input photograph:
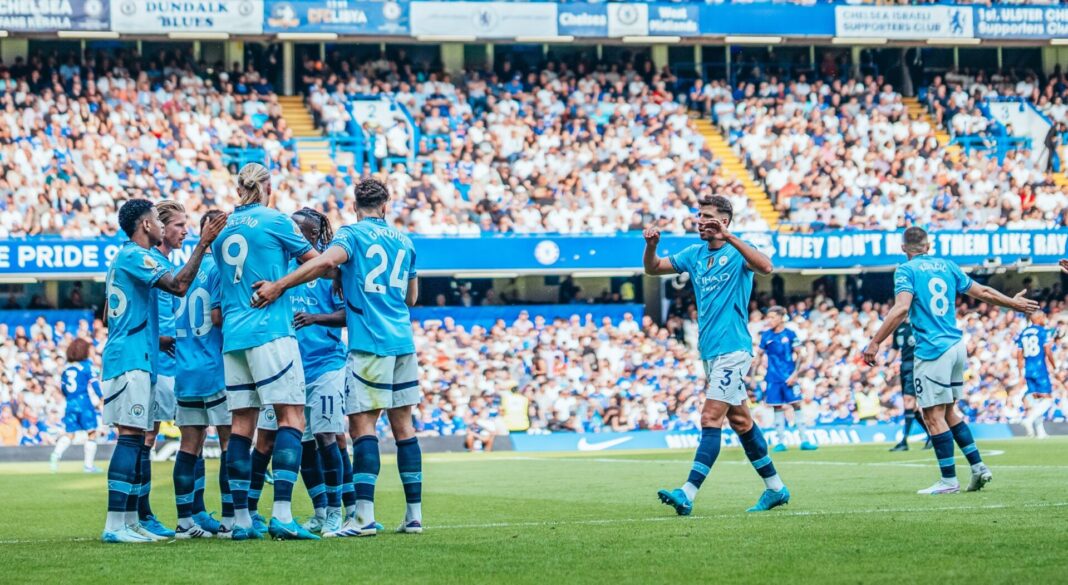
(764, 267)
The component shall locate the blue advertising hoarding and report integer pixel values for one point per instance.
(820, 435)
(681, 20)
(582, 20)
(1021, 22)
(767, 19)
(84, 15)
(44, 257)
(337, 16)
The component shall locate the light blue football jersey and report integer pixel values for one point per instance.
(375, 282)
(321, 348)
(257, 244)
(132, 311)
(165, 364)
(199, 341)
(934, 284)
(722, 283)
(1032, 341)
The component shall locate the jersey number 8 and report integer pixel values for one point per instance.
(939, 299)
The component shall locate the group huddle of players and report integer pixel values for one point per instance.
(245, 337)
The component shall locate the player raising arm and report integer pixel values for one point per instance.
(378, 279)
(129, 363)
(926, 290)
(261, 360)
(721, 269)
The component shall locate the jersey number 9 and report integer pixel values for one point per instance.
(236, 260)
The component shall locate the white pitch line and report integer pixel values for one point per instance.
(612, 521)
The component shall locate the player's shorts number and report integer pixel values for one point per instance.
(1030, 346)
(397, 279)
(939, 298)
(236, 260)
(326, 401)
(919, 386)
(199, 320)
(726, 380)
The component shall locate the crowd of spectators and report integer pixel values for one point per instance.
(562, 148)
(579, 375)
(849, 154)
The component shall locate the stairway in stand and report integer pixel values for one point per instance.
(735, 166)
(918, 110)
(299, 119)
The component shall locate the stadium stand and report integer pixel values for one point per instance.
(578, 375)
(564, 149)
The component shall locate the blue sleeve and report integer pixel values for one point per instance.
(680, 261)
(903, 280)
(411, 266)
(144, 268)
(345, 239)
(289, 236)
(214, 292)
(94, 385)
(964, 282)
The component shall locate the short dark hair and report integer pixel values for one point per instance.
(131, 212)
(720, 203)
(370, 194)
(208, 216)
(915, 236)
(777, 310)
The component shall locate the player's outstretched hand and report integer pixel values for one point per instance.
(301, 320)
(1024, 304)
(264, 293)
(212, 229)
(652, 235)
(870, 352)
(1064, 265)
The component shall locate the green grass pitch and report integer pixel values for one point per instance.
(566, 518)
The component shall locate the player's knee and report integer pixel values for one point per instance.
(325, 439)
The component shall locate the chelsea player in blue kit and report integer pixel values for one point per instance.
(926, 289)
(129, 363)
(201, 400)
(721, 269)
(1034, 355)
(378, 279)
(779, 346)
(81, 388)
(261, 360)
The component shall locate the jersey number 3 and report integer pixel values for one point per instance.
(396, 278)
